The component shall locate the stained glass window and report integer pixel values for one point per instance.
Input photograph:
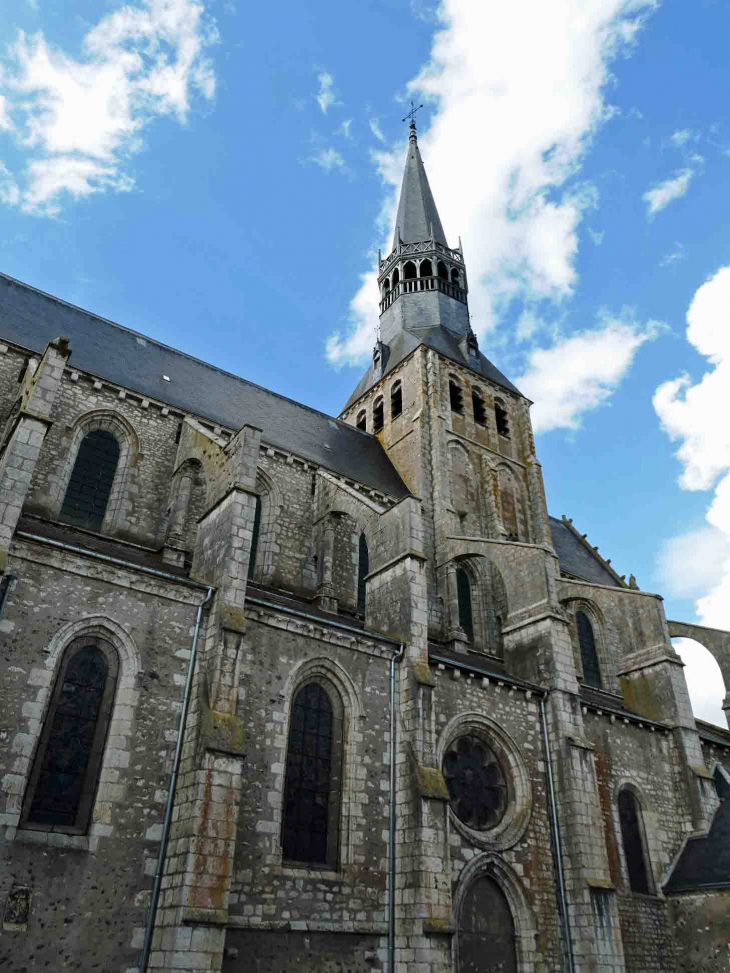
(463, 591)
(588, 654)
(255, 538)
(307, 834)
(90, 486)
(629, 811)
(476, 783)
(363, 571)
(67, 764)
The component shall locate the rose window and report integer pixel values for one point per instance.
(476, 783)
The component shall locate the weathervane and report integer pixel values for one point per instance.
(412, 114)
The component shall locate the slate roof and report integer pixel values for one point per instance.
(705, 861)
(417, 213)
(31, 318)
(442, 341)
(575, 558)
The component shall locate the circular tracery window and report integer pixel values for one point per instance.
(476, 783)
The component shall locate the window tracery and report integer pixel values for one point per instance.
(92, 477)
(476, 783)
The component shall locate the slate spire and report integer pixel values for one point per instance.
(418, 218)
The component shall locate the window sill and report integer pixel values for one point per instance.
(53, 839)
(300, 870)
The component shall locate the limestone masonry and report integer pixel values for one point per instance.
(284, 692)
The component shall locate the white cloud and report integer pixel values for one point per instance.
(682, 136)
(580, 372)
(6, 124)
(326, 96)
(9, 192)
(597, 236)
(676, 254)
(704, 681)
(690, 563)
(695, 413)
(344, 128)
(666, 192)
(79, 120)
(376, 130)
(328, 159)
(502, 183)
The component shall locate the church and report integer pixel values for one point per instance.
(288, 692)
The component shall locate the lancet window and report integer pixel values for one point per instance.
(92, 477)
(362, 573)
(588, 652)
(632, 835)
(256, 535)
(396, 400)
(466, 611)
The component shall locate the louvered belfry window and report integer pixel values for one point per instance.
(68, 761)
(311, 797)
(90, 486)
(629, 811)
(588, 653)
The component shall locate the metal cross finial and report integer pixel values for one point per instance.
(412, 114)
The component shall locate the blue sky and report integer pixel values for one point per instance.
(220, 175)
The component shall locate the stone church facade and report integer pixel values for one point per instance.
(283, 692)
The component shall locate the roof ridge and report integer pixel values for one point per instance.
(183, 354)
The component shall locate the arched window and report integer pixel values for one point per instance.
(632, 835)
(486, 930)
(396, 400)
(362, 420)
(312, 794)
(255, 538)
(478, 407)
(426, 269)
(66, 768)
(501, 417)
(378, 415)
(87, 494)
(455, 277)
(463, 593)
(396, 278)
(456, 397)
(588, 653)
(409, 270)
(442, 271)
(386, 285)
(363, 570)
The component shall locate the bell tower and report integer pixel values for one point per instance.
(422, 281)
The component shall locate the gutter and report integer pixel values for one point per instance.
(167, 821)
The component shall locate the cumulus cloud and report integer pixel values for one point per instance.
(376, 130)
(664, 193)
(580, 372)
(690, 563)
(80, 119)
(682, 136)
(704, 681)
(694, 414)
(328, 159)
(326, 96)
(513, 114)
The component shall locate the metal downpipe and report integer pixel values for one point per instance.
(396, 657)
(555, 828)
(167, 821)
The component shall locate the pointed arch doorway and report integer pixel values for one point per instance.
(486, 930)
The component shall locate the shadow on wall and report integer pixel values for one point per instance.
(704, 681)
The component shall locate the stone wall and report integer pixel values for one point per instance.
(701, 923)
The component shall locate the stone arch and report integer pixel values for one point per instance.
(187, 504)
(267, 547)
(121, 724)
(117, 518)
(361, 514)
(488, 865)
(607, 664)
(463, 490)
(514, 823)
(327, 671)
(717, 643)
(512, 507)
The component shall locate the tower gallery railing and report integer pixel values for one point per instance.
(422, 284)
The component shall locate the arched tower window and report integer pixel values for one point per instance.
(67, 764)
(396, 400)
(588, 653)
(463, 593)
(501, 417)
(426, 268)
(255, 538)
(409, 270)
(378, 415)
(386, 285)
(396, 277)
(92, 477)
(313, 778)
(362, 420)
(632, 835)
(442, 271)
(455, 277)
(456, 397)
(478, 407)
(362, 572)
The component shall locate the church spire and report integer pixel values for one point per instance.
(418, 218)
